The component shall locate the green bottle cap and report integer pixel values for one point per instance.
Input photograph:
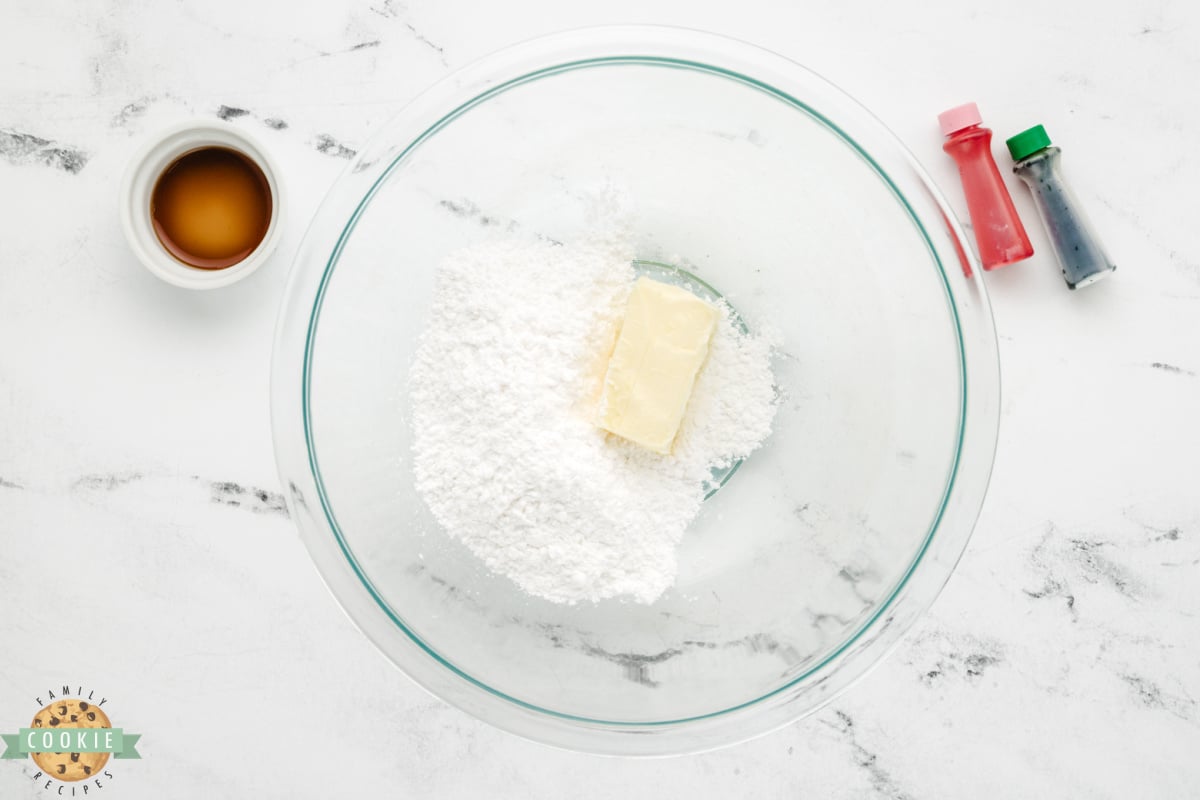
(1028, 142)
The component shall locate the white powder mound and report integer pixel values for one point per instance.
(504, 387)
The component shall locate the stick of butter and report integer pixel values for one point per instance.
(662, 345)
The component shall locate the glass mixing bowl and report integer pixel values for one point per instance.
(784, 195)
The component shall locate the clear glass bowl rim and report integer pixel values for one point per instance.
(755, 68)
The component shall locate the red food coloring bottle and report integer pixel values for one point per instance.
(999, 234)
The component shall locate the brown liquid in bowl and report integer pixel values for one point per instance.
(211, 207)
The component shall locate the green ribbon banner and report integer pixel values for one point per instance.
(70, 740)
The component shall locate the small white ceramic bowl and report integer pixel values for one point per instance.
(138, 183)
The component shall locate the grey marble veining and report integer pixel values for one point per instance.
(136, 465)
(24, 148)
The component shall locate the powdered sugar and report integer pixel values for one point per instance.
(504, 387)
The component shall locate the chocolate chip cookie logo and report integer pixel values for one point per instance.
(71, 740)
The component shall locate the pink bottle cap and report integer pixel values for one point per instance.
(959, 117)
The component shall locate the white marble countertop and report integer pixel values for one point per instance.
(146, 553)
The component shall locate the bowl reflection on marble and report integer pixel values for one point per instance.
(795, 203)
